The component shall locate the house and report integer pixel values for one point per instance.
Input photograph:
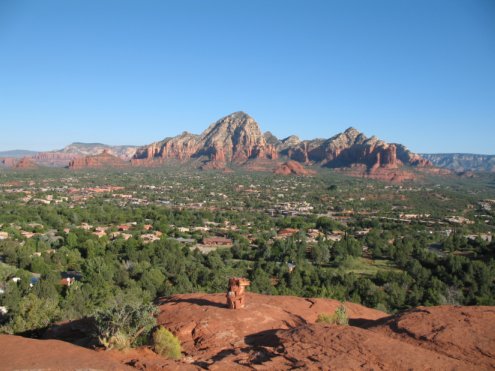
(27, 234)
(3, 310)
(363, 232)
(86, 226)
(287, 232)
(123, 227)
(72, 274)
(4, 235)
(125, 236)
(487, 237)
(67, 281)
(33, 281)
(148, 227)
(100, 234)
(217, 241)
(150, 237)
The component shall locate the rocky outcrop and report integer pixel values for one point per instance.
(103, 160)
(280, 332)
(55, 158)
(8, 161)
(206, 327)
(24, 163)
(16, 163)
(19, 353)
(293, 168)
(181, 147)
(63, 157)
(437, 338)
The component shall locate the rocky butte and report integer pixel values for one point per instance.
(103, 160)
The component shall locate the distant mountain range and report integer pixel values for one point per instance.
(461, 162)
(236, 140)
(17, 153)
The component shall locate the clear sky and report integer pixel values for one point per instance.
(420, 73)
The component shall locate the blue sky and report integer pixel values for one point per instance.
(421, 73)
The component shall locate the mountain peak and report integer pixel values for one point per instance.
(352, 131)
(239, 115)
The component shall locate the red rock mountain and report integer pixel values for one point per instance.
(103, 160)
(235, 138)
(238, 139)
(350, 148)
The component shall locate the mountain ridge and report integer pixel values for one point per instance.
(237, 140)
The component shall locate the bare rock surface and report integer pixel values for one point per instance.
(18, 353)
(281, 333)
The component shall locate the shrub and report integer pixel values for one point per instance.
(121, 325)
(325, 318)
(166, 344)
(339, 317)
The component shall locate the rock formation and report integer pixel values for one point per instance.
(237, 139)
(236, 292)
(280, 333)
(292, 167)
(63, 157)
(19, 353)
(103, 160)
(19, 163)
(26, 163)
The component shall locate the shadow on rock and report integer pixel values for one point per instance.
(196, 301)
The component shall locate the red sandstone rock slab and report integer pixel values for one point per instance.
(464, 333)
(206, 327)
(18, 353)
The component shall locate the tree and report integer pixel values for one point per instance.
(34, 313)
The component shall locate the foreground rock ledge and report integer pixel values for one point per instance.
(279, 333)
